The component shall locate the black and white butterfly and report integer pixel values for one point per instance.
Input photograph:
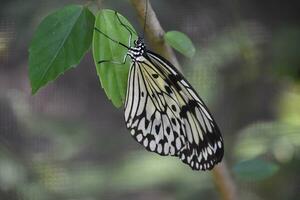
(165, 114)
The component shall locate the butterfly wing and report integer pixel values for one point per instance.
(148, 115)
(165, 114)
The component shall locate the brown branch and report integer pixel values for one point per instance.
(155, 33)
(224, 182)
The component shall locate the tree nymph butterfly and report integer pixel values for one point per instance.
(164, 113)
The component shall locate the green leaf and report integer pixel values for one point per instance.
(255, 169)
(113, 77)
(181, 43)
(59, 43)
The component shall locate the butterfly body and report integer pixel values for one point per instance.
(137, 52)
(165, 114)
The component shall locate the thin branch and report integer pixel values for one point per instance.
(224, 182)
(155, 33)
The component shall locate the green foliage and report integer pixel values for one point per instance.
(141, 170)
(289, 109)
(63, 37)
(60, 41)
(280, 139)
(113, 77)
(255, 169)
(12, 173)
(181, 43)
(285, 52)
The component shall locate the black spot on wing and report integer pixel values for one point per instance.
(189, 107)
(173, 121)
(173, 107)
(155, 75)
(168, 89)
(174, 79)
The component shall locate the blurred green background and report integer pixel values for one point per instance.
(69, 142)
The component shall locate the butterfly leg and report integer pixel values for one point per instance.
(105, 35)
(114, 62)
(120, 43)
(126, 27)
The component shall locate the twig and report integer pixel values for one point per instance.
(155, 33)
(224, 182)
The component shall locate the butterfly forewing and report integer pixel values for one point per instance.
(164, 113)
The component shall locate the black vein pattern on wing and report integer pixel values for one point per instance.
(161, 107)
(211, 139)
(186, 135)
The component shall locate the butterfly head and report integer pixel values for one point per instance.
(139, 42)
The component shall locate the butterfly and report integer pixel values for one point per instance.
(165, 114)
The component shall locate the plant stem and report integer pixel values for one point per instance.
(155, 34)
(224, 182)
(154, 31)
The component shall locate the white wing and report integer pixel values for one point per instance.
(165, 114)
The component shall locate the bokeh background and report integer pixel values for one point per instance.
(69, 142)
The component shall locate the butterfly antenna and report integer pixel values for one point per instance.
(145, 17)
(120, 43)
(128, 28)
